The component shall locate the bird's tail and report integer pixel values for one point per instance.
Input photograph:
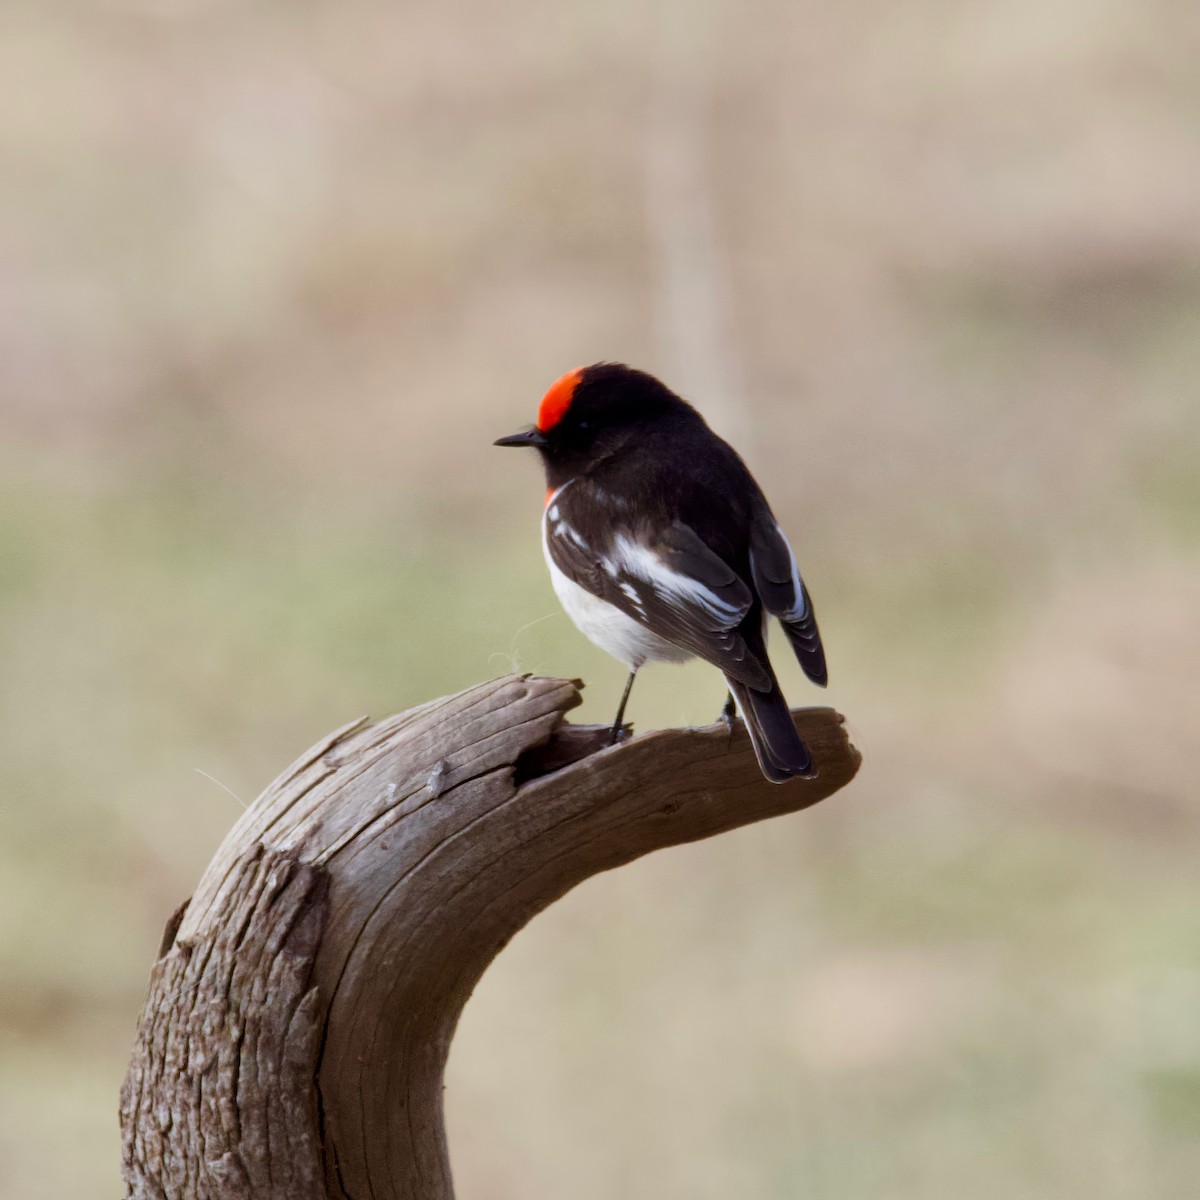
(780, 752)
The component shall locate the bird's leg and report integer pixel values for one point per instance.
(729, 713)
(616, 729)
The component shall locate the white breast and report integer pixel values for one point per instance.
(627, 640)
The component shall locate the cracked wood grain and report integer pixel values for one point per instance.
(299, 1017)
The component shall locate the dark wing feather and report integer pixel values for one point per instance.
(777, 580)
(672, 583)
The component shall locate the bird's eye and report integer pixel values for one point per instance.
(583, 424)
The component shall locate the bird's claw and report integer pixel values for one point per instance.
(619, 733)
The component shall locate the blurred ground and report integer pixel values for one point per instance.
(272, 278)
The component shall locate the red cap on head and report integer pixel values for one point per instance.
(557, 400)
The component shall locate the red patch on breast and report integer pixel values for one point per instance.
(557, 400)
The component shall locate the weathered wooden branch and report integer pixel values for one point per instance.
(300, 1013)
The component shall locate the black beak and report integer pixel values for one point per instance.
(527, 437)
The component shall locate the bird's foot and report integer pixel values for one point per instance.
(619, 733)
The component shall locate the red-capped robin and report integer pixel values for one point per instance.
(661, 546)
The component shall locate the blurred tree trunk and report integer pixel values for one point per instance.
(697, 350)
(300, 1013)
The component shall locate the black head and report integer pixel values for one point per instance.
(595, 412)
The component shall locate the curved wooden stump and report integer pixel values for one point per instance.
(300, 1013)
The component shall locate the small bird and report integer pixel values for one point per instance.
(662, 547)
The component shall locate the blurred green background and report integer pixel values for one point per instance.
(272, 278)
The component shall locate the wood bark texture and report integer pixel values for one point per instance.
(299, 1016)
